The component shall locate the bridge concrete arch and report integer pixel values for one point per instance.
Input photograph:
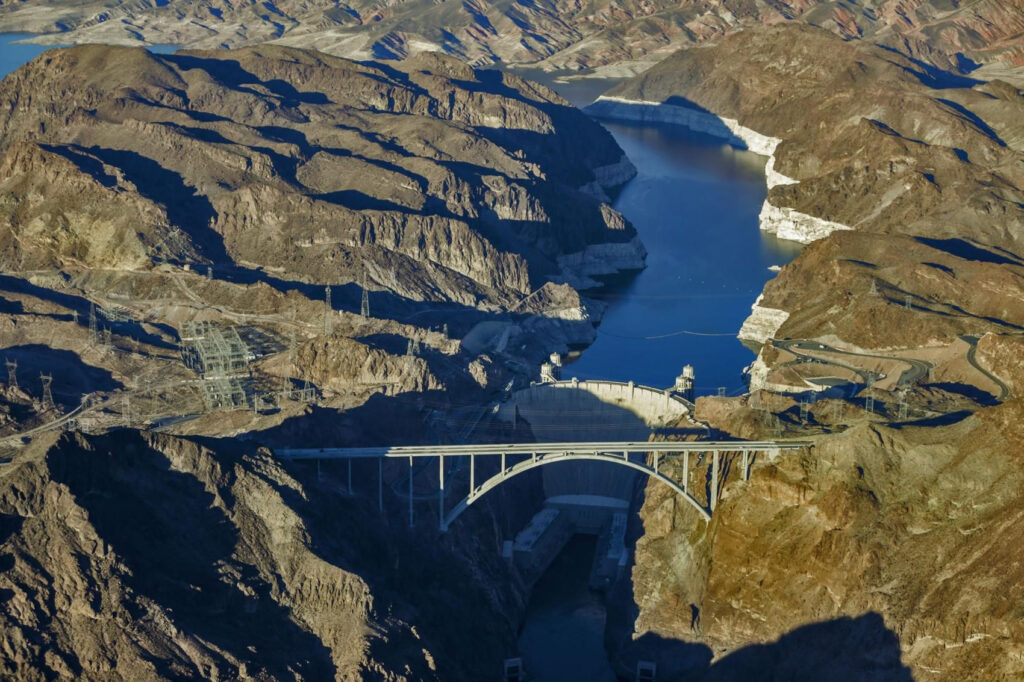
(532, 455)
(537, 460)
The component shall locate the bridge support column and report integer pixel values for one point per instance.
(503, 465)
(380, 484)
(714, 480)
(746, 465)
(472, 473)
(686, 470)
(440, 492)
(656, 454)
(410, 492)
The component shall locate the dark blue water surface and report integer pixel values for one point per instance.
(13, 54)
(695, 203)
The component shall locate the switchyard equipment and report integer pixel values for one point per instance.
(222, 358)
(214, 351)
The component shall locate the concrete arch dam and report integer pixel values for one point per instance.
(587, 411)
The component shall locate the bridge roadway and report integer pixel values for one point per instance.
(527, 456)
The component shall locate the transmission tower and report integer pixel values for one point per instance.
(869, 404)
(721, 391)
(126, 408)
(364, 308)
(906, 301)
(47, 380)
(328, 318)
(803, 411)
(837, 414)
(904, 409)
(12, 373)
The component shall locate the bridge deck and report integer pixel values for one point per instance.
(531, 448)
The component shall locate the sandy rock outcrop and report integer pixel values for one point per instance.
(882, 552)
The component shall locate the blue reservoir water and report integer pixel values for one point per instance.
(695, 203)
(14, 54)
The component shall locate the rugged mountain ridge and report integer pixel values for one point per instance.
(621, 35)
(290, 160)
(142, 557)
(885, 552)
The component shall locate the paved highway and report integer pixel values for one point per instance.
(534, 448)
(1004, 390)
(916, 370)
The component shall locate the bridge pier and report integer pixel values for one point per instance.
(380, 484)
(686, 471)
(440, 492)
(410, 492)
(714, 480)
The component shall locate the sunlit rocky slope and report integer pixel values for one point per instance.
(623, 35)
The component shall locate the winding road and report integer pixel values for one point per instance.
(1004, 389)
(916, 370)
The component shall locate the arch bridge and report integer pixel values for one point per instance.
(513, 459)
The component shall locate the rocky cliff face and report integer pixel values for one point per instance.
(132, 557)
(882, 553)
(313, 167)
(233, 187)
(620, 35)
